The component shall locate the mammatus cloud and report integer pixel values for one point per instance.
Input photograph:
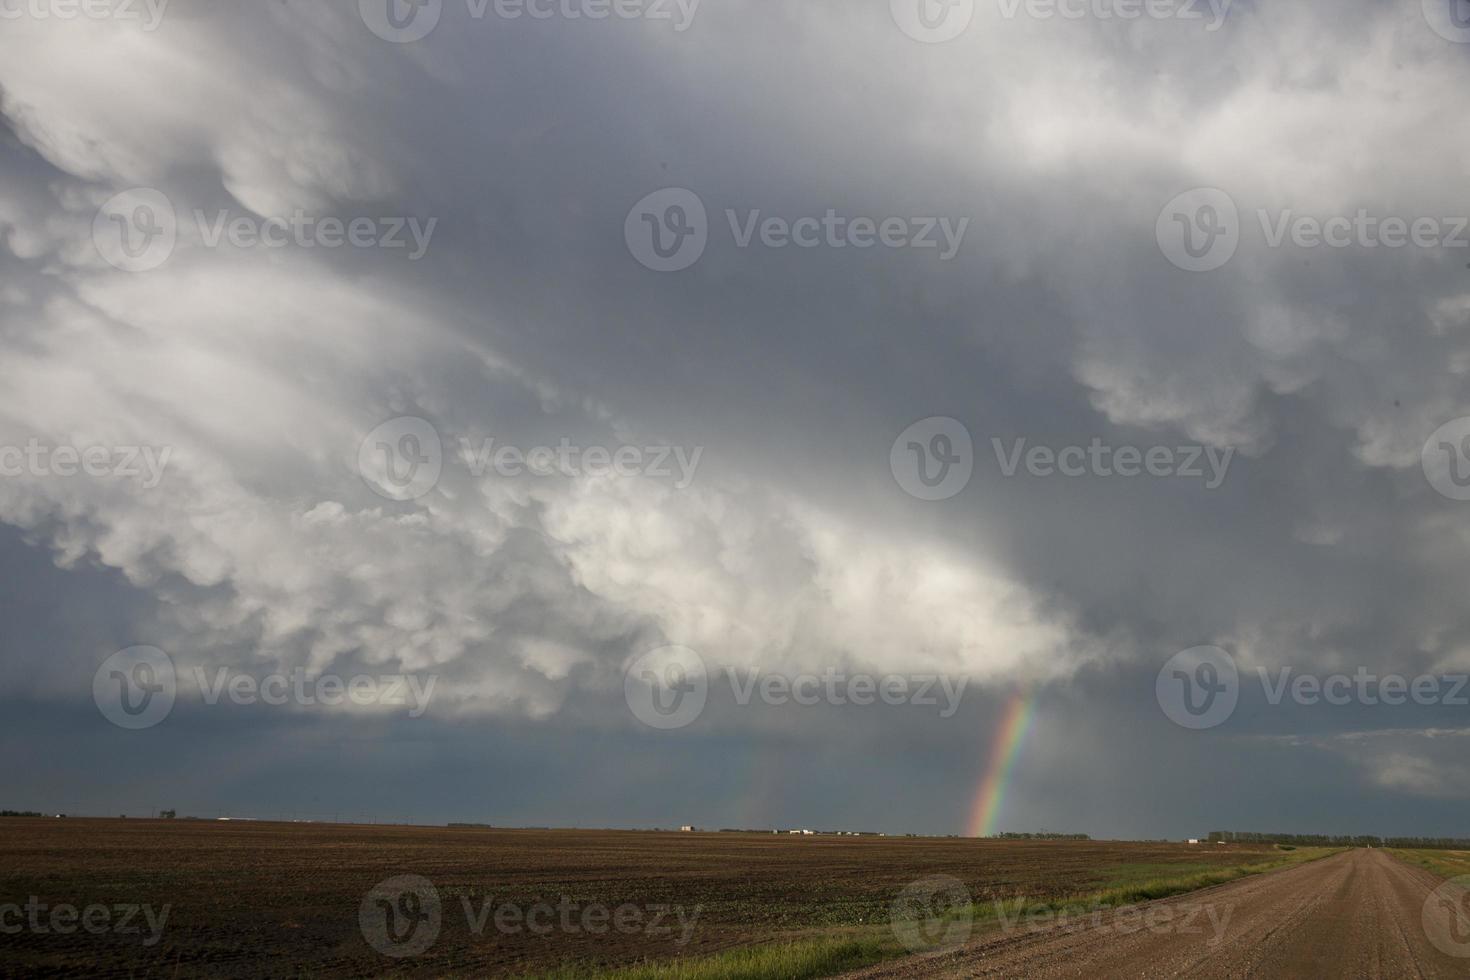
(259, 375)
(517, 148)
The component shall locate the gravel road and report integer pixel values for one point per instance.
(1359, 914)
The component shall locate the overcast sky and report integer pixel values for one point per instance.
(877, 437)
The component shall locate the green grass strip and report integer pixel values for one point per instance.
(802, 960)
(1446, 864)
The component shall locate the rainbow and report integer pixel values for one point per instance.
(990, 795)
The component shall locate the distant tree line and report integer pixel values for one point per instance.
(20, 813)
(1332, 840)
(1043, 836)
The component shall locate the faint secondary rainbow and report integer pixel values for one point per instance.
(1010, 735)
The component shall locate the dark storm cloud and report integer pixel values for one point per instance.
(1058, 320)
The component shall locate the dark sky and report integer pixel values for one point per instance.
(1123, 259)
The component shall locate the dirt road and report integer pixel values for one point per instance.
(1359, 914)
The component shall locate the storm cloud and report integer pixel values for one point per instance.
(875, 226)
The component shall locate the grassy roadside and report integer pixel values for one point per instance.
(1124, 891)
(798, 960)
(1446, 864)
(851, 949)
